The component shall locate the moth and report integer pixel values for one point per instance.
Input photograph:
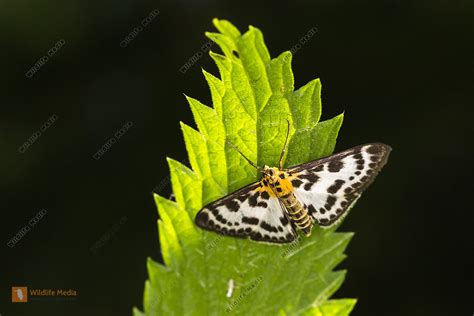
(319, 192)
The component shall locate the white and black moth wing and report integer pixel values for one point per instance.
(248, 212)
(328, 187)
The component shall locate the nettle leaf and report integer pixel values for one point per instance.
(252, 101)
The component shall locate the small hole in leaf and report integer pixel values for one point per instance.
(236, 54)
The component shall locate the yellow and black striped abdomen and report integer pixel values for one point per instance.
(297, 213)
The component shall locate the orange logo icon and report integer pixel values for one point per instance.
(19, 294)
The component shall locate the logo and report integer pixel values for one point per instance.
(19, 294)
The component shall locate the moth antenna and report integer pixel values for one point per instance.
(248, 160)
(285, 145)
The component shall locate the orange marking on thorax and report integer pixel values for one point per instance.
(281, 184)
(286, 187)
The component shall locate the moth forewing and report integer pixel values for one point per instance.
(252, 211)
(329, 186)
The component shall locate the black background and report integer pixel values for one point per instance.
(401, 71)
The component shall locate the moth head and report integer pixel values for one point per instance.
(270, 173)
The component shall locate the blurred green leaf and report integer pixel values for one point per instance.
(252, 101)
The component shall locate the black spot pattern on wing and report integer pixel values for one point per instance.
(318, 168)
(262, 204)
(243, 197)
(296, 183)
(310, 176)
(253, 199)
(250, 220)
(308, 186)
(335, 166)
(268, 227)
(202, 219)
(336, 186)
(311, 209)
(265, 195)
(232, 205)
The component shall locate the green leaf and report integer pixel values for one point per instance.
(252, 101)
(340, 307)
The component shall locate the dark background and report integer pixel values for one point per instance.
(401, 71)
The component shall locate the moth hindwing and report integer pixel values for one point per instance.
(284, 200)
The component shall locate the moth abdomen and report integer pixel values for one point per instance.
(298, 214)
